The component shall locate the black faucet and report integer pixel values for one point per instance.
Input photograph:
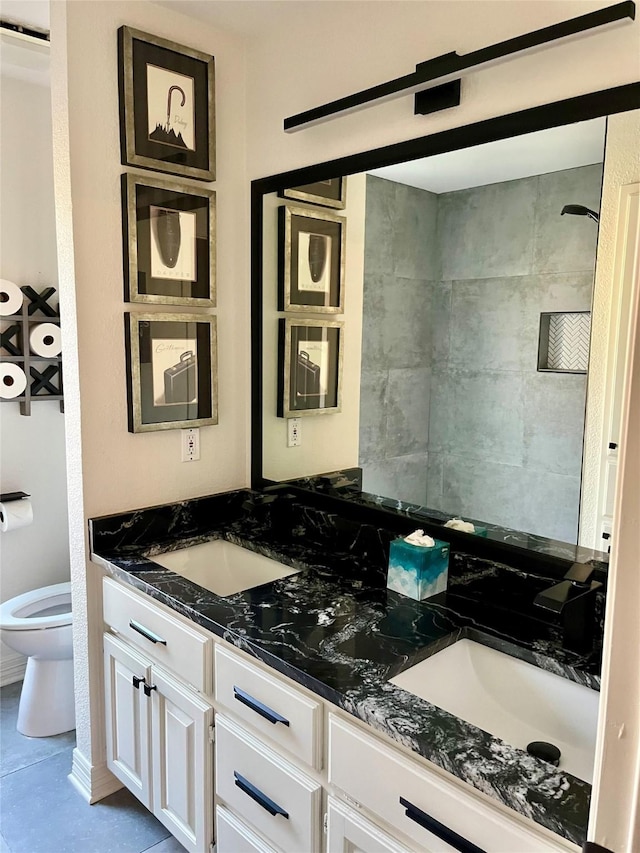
(574, 600)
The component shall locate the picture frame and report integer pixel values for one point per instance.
(311, 260)
(310, 361)
(169, 242)
(167, 106)
(172, 371)
(331, 192)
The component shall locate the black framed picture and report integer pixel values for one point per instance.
(167, 106)
(329, 193)
(172, 374)
(169, 236)
(311, 260)
(310, 367)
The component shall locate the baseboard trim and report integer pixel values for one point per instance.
(93, 782)
(12, 669)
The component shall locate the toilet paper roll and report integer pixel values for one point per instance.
(15, 514)
(11, 298)
(13, 381)
(44, 340)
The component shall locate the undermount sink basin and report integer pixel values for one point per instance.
(222, 567)
(511, 699)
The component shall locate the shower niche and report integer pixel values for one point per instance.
(563, 345)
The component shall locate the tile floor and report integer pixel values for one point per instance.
(41, 812)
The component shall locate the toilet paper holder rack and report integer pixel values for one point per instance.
(44, 374)
(12, 496)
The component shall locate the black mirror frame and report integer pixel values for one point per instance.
(581, 108)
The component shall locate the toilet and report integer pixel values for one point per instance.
(38, 624)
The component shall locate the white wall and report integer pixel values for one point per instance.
(32, 453)
(328, 442)
(359, 44)
(109, 468)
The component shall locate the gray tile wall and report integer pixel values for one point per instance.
(401, 273)
(451, 335)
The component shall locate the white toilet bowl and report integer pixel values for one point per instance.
(38, 624)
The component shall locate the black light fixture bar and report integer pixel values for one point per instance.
(447, 68)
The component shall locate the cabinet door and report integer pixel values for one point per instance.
(349, 832)
(182, 762)
(128, 717)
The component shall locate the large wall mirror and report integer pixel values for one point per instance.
(429, 321)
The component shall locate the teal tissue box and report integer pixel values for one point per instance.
(416, 571)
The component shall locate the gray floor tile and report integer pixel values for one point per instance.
(42, 812)
(169, 845)
(16, 750)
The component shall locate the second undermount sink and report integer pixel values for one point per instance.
(511, 699)
(222, 567)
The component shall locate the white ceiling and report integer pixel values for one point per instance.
(507, 160)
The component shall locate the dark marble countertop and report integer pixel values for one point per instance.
(337, 630)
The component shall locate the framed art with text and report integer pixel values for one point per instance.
(311, 260)
(310, 367)
(169, 236)
(329, 193)
(167, 106)
(172, 380)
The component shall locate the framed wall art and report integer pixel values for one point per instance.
(329, 193)
(310, 367)
(172, 380)
(169, 236)
(167, 106)
(311, 260)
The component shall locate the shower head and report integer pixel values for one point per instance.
(579, 210)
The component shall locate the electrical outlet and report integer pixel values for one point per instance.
(190, 444)
(294, 436)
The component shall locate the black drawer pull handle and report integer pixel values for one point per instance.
(438, 829)
(137, 681)
(260, 798)
(258, 707)
(148, 688)
(149, 635)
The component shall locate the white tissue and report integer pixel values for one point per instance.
(419, 537)
(459, 524)
(11, 298)
(15, 514)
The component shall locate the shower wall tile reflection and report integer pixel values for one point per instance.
(503, 442)
(487, 231)
(566, 242)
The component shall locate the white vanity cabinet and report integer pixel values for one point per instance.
(437, 814)
(293, 774)
(159, 732)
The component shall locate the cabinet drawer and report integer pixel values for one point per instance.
(232, 836)
(349, 832)
(377, 777)
(271, 707)
(162, 637)
(269, 793)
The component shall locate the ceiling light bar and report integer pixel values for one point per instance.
(443, 72)
(9, 28)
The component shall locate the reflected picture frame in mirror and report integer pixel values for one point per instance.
(311, 260)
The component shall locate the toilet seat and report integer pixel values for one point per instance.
(21, 613)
